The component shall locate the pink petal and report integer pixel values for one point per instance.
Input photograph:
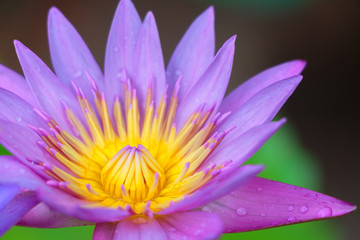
(263, 203)
(211, 87)
(229, 179)
(15, 209)
(259, 109)
(148, 63)
(15, 83)
(189, 225)
(47, 89)
(120, 48)
(62, 202)
(192, 225)
(41, 216)
(245, 91)
(243, 147)
(71, 57)
(104, 231)
(149, 230)
(193, 53)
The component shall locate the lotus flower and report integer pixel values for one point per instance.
(140, 151)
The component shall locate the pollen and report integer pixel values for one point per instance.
(132, 155)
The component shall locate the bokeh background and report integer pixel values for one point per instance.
(319, 146)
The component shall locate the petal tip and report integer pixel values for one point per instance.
(54, 14)
(300, 63)
(19, 47)
(210, 13)
(347, 208)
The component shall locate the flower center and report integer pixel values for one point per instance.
(133, 175)
(127, 157)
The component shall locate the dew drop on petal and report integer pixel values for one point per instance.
(119, 75)
(78, 73)
(291, 219)
(178, 73)
(291, 208)
(21, 171)
(206, 209)
(324, 212)
(304, 209)
(241, 211)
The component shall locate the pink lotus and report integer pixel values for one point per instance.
(140, 151)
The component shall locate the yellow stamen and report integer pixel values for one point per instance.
(132, 156)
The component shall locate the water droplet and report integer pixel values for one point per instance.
(262, 214)
(291, 219)
(18, 119)
(324, 212)
(21, 171)
(304, 209)
(259, 189)
(206, 209)
(120, 75)
(78, 73)
(178, 73)
(291, 208)
(6, 166)
(241, 211)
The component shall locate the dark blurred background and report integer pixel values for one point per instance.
(324, 109)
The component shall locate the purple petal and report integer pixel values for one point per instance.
(192, 225)
(263, 203)
(193, 53)
(259, 109)
(7, 193)
(211, 87)
(104, 231)
(245, 91)
(243, 147)
(120, 48)
(20, 141)
(41, 216)
(14, 210)
(229, 179)
(48, 90)
(13, 172)
(184, 225)
(148, 61)
(149, 230)
(17, 110)
(71, 57)
(15, 83)
(60, 201)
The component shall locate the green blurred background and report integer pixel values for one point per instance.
(322, 114)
